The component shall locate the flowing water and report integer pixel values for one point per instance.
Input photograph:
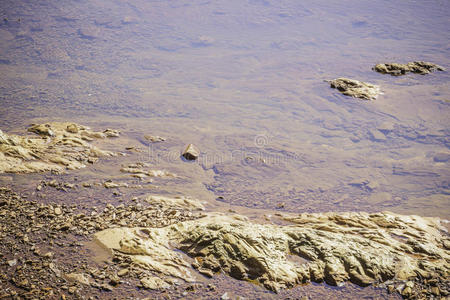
(244, 82)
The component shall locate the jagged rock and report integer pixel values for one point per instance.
(191, 152)
(60, 146)
(333, 247)
(419, 67)
(178, 202)
(355, 88)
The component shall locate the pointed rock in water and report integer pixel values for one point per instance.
(419, 67)
(355, 88)
(191, 152)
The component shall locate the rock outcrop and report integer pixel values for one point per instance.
(419, 67)
(355, 88)
(333, 247)
(57, 146)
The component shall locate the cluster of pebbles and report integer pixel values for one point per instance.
(40, 245)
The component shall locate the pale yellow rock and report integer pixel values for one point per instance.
(333, 247)
(58, 147)
(78, 277)
(154, 283)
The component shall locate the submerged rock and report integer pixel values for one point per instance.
(355, 88)
(333, 247)
(419, 67)
(59, 146)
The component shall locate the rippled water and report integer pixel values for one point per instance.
(244, 81)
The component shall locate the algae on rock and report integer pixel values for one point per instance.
(355, 88)
(361, 248)
(57, 147)
(419, 67)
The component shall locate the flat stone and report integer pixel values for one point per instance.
(154, 283)
(78, 277)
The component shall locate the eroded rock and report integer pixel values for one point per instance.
(419, 67)
(58, 147)
(356, 88)
(333, 247)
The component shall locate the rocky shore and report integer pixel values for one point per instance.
(159, 243)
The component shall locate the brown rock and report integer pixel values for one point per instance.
(191, 152)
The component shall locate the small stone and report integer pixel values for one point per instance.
(154, 283)
(191, 152)
(123, 272)
(207, 272)
(435, 291)
(72, 128)
(58, 211)
(12, 262)
(280, 205)
(72, 290)
(225, 296)
(78, 277)
(114, 280)
(406, 291)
